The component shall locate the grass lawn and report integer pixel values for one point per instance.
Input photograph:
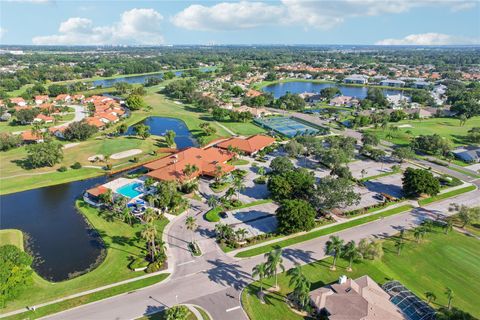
(238, 162)
(219, 187)
(445, 195)
(438, 262)
(446, 127)
(318, 233)
(14, 178)
(162, 315)
(243, 128)
(11, 236)
(121, 241)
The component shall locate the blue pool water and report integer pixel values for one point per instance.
(130, 190)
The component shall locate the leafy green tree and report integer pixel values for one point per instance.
(135, 102)
(295, 216)
(290, 101)
(122, 87)
(44, 154)
(466, 215)
(329, 93)
(56, 89)
(403, 153)
(333, 193)
(281, 165)
(177, 313)
(419, 181)
(25, 116)
(369, 138)
(431, 144)
(79, 130)
(9, 141)
(334, 246)
(294, 149)
(341, 172)
(370, 249)
(294, 184)
(15, 272)
(474, 135)
(142, 130)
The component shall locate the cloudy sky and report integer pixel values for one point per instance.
(397, 22)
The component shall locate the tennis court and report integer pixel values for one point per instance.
(287, 126)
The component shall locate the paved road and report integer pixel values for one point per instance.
(215, 280)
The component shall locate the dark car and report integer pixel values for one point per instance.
(223, 215)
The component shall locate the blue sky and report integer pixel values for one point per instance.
(421, 22)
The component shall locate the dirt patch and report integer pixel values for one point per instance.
(125, 154)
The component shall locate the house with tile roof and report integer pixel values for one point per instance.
(208, 161)
(43, 118)
(250, 145)
(359, 299)
(41, 99)
(29, 137)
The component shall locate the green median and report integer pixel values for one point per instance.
(446, 195)
(322, 232)
(88, 298)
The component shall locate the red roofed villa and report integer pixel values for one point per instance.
(250, 145)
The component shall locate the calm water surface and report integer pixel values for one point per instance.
(281, 89)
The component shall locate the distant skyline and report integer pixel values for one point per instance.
(363, 22)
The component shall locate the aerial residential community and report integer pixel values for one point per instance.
(240, 160)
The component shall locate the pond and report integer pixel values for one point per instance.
(141, 79)
(280, 89)
(160, 125)
(58, 235)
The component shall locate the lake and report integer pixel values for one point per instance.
(160, 125)
(280, 89)
(58, 235)
(141, 79)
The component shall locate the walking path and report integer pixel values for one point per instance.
(226, 129)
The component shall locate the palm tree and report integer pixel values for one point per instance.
(448, 226)
(449, 293)
(149, 216)
(430, 296)
(212, 202)
(261, 171)
(127, 216)
(301, 285)
(260, 271)
(274, 261)
(428, 225)
(351, 252)
(189, 170)
(241, 234)
(239, 185)
(149, 234)
(334, 246)
(191, 224)
(418, 234)
(218, 173)
(399, 245)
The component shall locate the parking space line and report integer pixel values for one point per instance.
(233, 309)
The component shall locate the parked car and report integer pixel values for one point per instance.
(223, 215)
(379, 196)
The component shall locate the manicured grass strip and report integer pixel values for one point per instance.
(322, 232)
(213, 215)
(238, 162)
(88, 298)
(467, 173)
(381, 175)
(446, 195)
(11, 236)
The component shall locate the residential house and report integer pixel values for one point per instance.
(344, 101)
(63, 98)
(359, 299)
(95, 122)
(392, 83)
(41, 99)
(356, 79)
(256, 112)
(29, 137)
(43, 118)
(78, 98)
(58, 131)
(207, 161)
(107, 117)
(253, 93)
(421, 84)
(18, 101)
(250, 145)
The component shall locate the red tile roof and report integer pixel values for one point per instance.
(43, 117)
(29, 136)
(250, 145)
(206, 160)
(95, 122)
(97, 191)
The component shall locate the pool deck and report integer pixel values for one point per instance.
(116, 184)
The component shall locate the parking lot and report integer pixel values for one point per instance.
(391, 185)
(256, 220)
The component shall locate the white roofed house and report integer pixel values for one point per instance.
(356, 79)
(392, 83)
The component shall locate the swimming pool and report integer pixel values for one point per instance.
(130, 190)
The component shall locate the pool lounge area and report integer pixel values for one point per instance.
(132, 189)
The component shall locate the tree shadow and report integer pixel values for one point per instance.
(227, 274)
(23, 163)
(298, 256)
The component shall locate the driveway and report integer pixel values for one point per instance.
(256, 220)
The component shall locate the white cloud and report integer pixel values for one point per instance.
(136, 26)
(429, 39)
(228, 16)
(307, 13)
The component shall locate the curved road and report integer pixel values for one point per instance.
(215, 280)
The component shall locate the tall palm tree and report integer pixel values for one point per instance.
(212, 202)
(239, 185)
(296, 275)
(149, 216)
(274, 261)
(189, 170)
(127, 216)
(241, 234)
(334, 247)
(418, 234)
(301, 285)
(351, 252)
(191, 224)
(399, 244)
(430, 296)
(260, 271)
(149, 234)
(448, 226)
(449, 293)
